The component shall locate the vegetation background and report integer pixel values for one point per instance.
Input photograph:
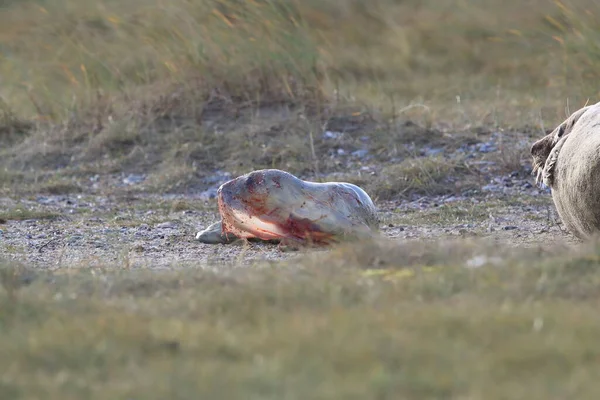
(177, 90)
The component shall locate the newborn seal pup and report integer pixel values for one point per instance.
(568, 161)
(274, 205)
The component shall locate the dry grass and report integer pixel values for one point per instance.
(424, 176)
(21, 213)
(65, 56)
(455, 320)
(179, 89)
(62, 56)
(149, 86)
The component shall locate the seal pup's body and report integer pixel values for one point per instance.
(274, 205)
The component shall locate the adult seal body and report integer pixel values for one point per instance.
(274, 205)
(568, 161)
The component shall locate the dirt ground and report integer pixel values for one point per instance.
(158, 231)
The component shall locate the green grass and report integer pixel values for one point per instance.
(523, 326)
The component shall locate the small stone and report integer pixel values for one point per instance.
(134, 179)
(432, 151)
(510, 228)
(362, 153)
(332, 135)
(166, 225)
(74, 239)
(45, 200)
(218, 178)
(486, 147)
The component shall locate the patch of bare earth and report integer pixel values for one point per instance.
(427, 183)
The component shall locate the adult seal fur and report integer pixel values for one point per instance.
(568, 161)
(274, 205)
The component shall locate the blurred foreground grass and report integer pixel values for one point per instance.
(450, 320)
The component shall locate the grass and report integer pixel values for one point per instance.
(98, 88)
(284, 49)
(522, 325)
(21, 213)
(424, 176)
(385, 94)
(446, 214)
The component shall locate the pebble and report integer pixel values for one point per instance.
(362, 153)
(486, 147)
(74, 238)
(432, 151)
(218, 177)
(332, 135)
(208, 194)
(134, 179)
(510, 227)
(166, 225)
(46, 200)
